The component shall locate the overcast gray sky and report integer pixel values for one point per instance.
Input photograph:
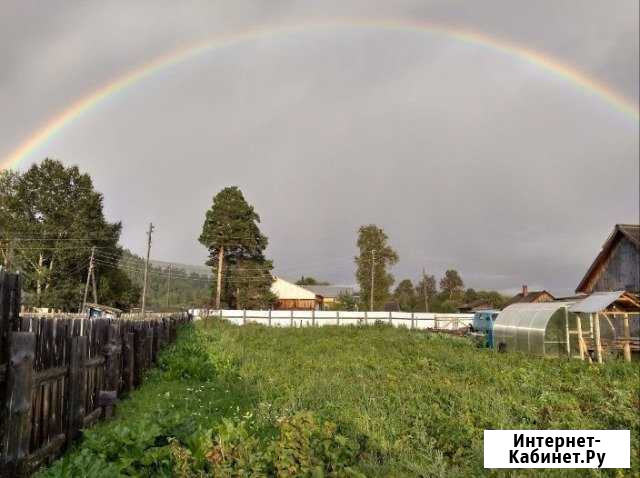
(469, 158)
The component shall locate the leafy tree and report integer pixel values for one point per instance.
(405, 295)
(470, 295)
(372, 238)
(51, 217)
(236, 248)
(310, 281)
(451, 285)
(426, 290)
(345, 301)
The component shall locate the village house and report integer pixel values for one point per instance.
(294, 297)
(617, 266)
(474, 306)
(527, 296)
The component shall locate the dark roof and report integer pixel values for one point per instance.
(630, 231)
(530, 297)
(475, 304)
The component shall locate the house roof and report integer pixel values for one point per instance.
(476, 304)
(532, 296)
(629, 231)
(287, 290)
(330, 291)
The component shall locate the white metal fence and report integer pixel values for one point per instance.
(306, 318)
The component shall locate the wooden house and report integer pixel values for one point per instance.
(617, 266)
(527, 296)
(294, 297)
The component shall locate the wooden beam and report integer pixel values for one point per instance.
(581, 347)
(627, 338)
(598, 343)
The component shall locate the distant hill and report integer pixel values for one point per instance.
(188, 268)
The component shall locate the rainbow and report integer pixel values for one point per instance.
(544, 62)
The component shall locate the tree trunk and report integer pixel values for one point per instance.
(46, 287)
(219, 278)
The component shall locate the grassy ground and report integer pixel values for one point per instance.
(347, 401)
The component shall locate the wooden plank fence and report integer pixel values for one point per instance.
(59, 375)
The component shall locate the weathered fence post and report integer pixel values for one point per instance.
(390, 318)
(128, 365)
(112, 370)
(291, 318)
(149, 347)
(313, 317)
(139, 364)
(113, 358)
(17, 405)
(366, 318)
(77, 389)
(337, 317)
(269, 317)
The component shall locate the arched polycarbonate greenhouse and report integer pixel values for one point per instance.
(535, 328)
(589, 327)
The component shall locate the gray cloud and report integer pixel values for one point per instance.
(467, 157)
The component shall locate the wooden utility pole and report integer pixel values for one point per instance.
(95, 286)
(373, 265)
(424, 290)
(86, 285)
(146, 269)
(168, 286)
(219, 277)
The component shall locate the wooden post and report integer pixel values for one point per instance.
(113, 358)
(566, 330)
(580, 339)
(596, 329)
(337, 317)
(128, 361)
(366, 318)
(627, 337)
(149, 347)
(390, 318)
(313, 317)
(77, 389)
(435, 321)
(269, 317)
(138, 361)
(291, 319)
(244, 316)
(17, 405)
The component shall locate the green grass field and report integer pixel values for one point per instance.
(345, 401)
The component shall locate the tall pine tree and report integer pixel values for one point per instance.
(236, 247)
